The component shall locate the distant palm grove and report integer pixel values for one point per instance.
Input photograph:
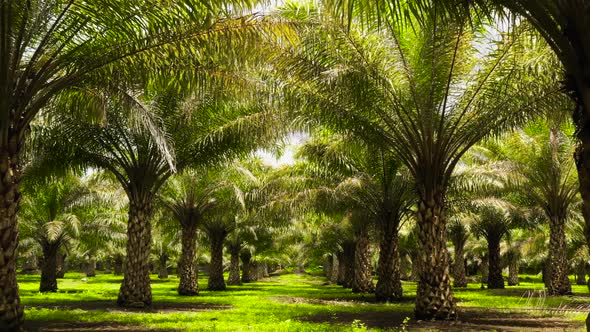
(404, 150)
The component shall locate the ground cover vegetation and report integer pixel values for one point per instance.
(300, 165)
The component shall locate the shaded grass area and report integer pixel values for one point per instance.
(288, 303)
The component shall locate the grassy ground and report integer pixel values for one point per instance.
(289, 303)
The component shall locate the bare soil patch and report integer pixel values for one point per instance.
(111, 306)
(338, 301)
(469, 320)
(56, 326)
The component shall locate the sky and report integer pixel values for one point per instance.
(292, 142)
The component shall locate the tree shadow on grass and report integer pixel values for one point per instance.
(57, 326)
(111, 306)
(469, 320)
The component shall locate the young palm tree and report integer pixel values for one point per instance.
(496, 217)
(52, 46)
(423, 92)
(458, 234)
(48, 216)
(379, 187)
(188, 196)
(549, 183)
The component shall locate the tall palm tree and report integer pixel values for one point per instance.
(496, 217)
(48, 216)
(563, 24)
(373, 181)
(423, 92)
(549, 183)
(188, 196)
(51, 46)
(144, 142)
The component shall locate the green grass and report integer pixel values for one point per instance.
(272, 305)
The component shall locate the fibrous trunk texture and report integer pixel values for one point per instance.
(49, 268)
(363, 276)
(253, 270)
(558, 282)
(415, 273)
(434, 297)
(163, 267)
(389, 285)
(246, 256)
(333, 277)
(513, 273)
(460, 280)
(485, 270)
(216, 281)
(348, 248)
(234, 266)
(495, 278)
(11, 311)
(136, 290)
(91, 267)
(61, 265)
(328, 266)
(187, 269)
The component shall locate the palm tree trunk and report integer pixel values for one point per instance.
(328, 266)
(415, 273)
(485, 270)
(61, 265)
(389, 285)
(581, 117)
(187, 269)
(348, 259)
(246, 256)
(559, 283)
(495, 278)
(11, 311)
(252, 271)
(341, 268)
(234, 266)
(136, 290)
(460, 280)
(434, 296)
(363, 271)
(91, 267)
(513, 273)
(163, 267)
(333, 277)
(216, 281)
(118, 265)
(581, 273)
(49, 269)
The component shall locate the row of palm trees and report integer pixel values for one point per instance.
(500, 187)
(412, 78)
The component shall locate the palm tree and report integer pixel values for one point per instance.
(458, 234)
(188, 196)
(135, 145)
(102, 223)
(496, 217)
(49, 216)
(549, 183)
(52, 46)
(379, 187)
(423, 92)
